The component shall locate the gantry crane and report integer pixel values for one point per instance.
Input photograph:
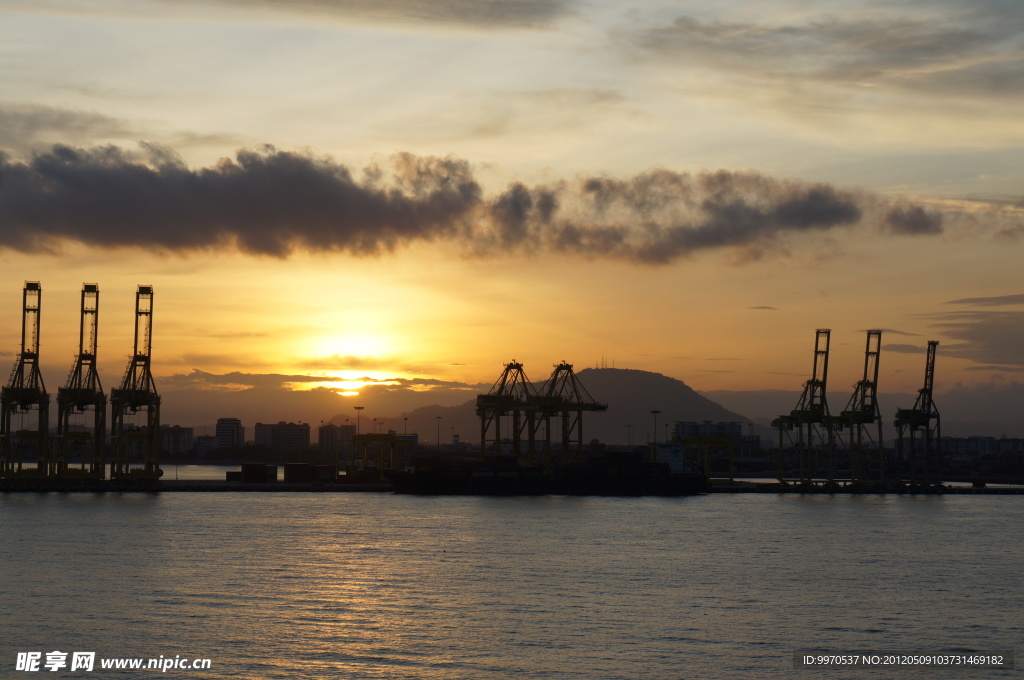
(25, 396)
(511, 394)
(811, 420)
(83, 394)
(564, 395)
(923, 423)
(135, 423)
(862, 411)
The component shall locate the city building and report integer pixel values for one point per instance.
(205, 445)
(284, 439)
(729, 431)
(720, 448)
(230, 433)
(335, 442)
(176, 440)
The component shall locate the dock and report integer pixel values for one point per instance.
(212, 486)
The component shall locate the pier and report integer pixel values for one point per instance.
(41, 485)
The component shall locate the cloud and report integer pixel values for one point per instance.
(892, 331)
(904, 349)
(957, 51)
(193, 359)
(913, 220)
(235, 380)
(198, 397)
(23, 127)
(480, 13)
(990, 301)
(1010, 234)
(658, 217)
(337, 362)
(992, 338)
(999, 369)
(562, 110)
(466, 13)
(262, 202)
(433, 383)
(270, 202)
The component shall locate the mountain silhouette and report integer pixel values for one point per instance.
(631, 395)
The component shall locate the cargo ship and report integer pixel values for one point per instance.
(606, 474)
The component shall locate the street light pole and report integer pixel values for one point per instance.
(438, 433)
(654, 446)
(359, 410)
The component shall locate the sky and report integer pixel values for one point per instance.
(344, 201)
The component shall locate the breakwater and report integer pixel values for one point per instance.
(203, 486)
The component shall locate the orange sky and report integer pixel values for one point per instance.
(872, 180)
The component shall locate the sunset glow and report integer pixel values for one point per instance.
(397, 202)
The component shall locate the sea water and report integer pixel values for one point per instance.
(370, 585)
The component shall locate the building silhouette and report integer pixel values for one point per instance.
(176, 440)
(284, 439)
(230, 433)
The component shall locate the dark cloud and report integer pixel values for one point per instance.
(913, 221)
(1010, 234)
(993, 338)
(271, 202)
(998, 369)
(764, 307)
(892, 331)
(197, 379)
(996, 301)
(989, 407)
(672, 215)
(904, 349)
(960, 50)
(262, 202)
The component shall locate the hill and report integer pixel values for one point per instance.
(631, 395)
